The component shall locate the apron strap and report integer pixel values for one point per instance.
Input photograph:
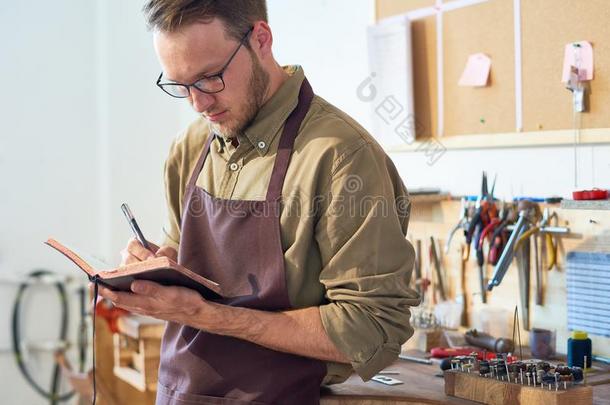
(289, 134)
(200, 162)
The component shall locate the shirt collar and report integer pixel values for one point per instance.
(275, 111)
(272, 115)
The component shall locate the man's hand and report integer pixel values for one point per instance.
(298, 331)
(134, 252)
(175, 304)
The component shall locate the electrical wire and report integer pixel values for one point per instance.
(53, 393)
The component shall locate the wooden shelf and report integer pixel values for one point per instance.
(586, 204)
(591, 136)
(429, 198)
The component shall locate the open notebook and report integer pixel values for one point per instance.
(162, 270)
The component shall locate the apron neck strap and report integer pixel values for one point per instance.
(200, 162)
(282, 158)
(289, 134)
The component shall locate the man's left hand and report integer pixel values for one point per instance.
(175, 304)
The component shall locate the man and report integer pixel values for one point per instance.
(288, 204)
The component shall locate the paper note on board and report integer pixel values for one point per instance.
(389, 87)
(476, 72)
(580, 55)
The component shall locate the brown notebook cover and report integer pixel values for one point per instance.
(162, 270)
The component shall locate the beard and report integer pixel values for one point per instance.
(258, 84)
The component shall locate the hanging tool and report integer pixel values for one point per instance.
(475, 221)
(417, 267)
(538, 269)
(493, 223)
(460, 225)
(529, 212)
(523, 265)
(481, 264)
(469, 231)
(485, 212)
(437, 267)
(549, 241)
(523, 246)
(464, 318)
(524, 238)
(549, 249)
(498, 238)
(507, 254)
(487, 231)
(421, 283)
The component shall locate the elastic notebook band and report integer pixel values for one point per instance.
(95, 280)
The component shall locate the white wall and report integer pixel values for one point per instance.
(535, 171)
(49, 111)
(83, 129)
(328, 38)
(141, 123)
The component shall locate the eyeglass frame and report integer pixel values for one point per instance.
(218, 74)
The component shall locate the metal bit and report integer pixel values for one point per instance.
(556, 380)
(521, 374)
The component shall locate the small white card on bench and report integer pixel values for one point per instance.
(386, 380)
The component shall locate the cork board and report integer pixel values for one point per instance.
(548, 25)
(388, 8)
(486, 28)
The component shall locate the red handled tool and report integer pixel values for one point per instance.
(444, 352)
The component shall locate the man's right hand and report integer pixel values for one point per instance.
(134, 252)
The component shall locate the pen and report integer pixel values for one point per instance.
(134, 226)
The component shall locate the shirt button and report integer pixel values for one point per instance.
(261, 145)
(233, 166)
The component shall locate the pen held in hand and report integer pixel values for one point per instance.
(134, 227)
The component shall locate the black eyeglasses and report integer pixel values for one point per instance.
(208, 84)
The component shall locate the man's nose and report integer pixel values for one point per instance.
(201, 101)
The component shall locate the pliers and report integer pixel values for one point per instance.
(551, 244)
(498, 238)
(460, 225)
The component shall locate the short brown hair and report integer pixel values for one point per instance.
(238, 16)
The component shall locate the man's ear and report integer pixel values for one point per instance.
(261, 39)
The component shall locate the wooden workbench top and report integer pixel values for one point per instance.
(421, 386)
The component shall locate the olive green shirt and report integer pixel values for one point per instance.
(343, 222)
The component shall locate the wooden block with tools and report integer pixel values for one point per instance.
(494, 392)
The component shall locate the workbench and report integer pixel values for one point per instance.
(422, 386)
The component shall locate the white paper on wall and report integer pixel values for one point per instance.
(389, 87)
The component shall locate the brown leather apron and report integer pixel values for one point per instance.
(237, 244)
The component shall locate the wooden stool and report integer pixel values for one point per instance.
(136, 351)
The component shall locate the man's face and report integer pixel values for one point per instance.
(199, 50)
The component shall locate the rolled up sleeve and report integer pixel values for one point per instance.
(367, 261)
